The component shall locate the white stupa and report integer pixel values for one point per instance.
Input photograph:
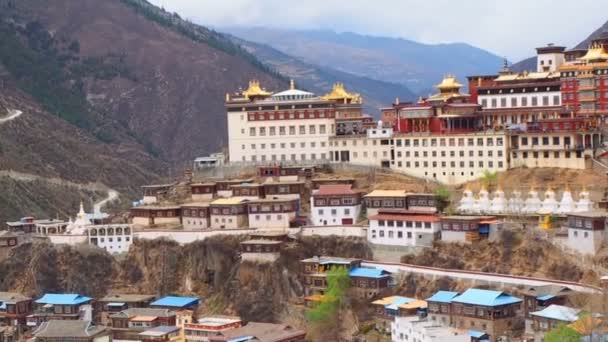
(466, 202)
(499, 203)
(482, 203)
(532, 204)
(584, 202)
(516, 203)
(567, 204)
(79, 225)
(549, 204)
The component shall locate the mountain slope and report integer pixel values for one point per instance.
(417, 66)
(171, 94)
(116, 93)
(320, 80)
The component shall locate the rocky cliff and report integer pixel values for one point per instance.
(210, 269)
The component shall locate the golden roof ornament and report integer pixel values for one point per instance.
(254, 89)
(227, 97)
(292, 84)
(339, 93)
(449, 83)
(595, 52)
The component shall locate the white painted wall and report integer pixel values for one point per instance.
(411, 328)
(260, 257)
(185, 236)
(245, 148)
(343, 231)
(270, 221)
(331, 216)
(585, 241)
(386, 235)
(114, 243)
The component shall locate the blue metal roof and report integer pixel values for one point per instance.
(477, 334)
(63, 299)
(485, 298)
(398, 300)
(176, 302)
(545, 297)
(2, 306)
(368, 272)
(443, 297)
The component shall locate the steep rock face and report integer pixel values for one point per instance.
(173, 93)
(210, 269)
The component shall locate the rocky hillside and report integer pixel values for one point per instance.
(210, 269)
(417, 66)
(376, 94)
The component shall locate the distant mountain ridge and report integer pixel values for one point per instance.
(320, 80)
(417, 66)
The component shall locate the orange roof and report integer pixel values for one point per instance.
(414, 305)
(586, 325)
(335, 189)
(397, 217)
(144, 318)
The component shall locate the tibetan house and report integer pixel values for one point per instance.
(317, 182)
(468, 229)
(250, 191)
(25, 225)
(228, 213)
(284, 189)
(223, 187)
(151, 215)
(195, 215)
(155, 193)
(272, 213)
(314, 270)
(14, 308)
(203, 191)
(115, 303)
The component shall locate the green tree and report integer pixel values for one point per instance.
(489, 179)
(442, 196)
(326, 311)
(562, 333)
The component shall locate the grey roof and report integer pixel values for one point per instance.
(144, 312)
(68, 328)
(330, 260)
(127, 298)
(12, 297)
(547, 290)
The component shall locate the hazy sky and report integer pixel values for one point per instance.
(511, 28)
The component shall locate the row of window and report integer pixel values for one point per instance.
(334, 212)
(546, 154)
(292, 157)
(272, 146)
(284, 130)
(408, 224)
(268, 217)
(545, 141)
(462, 164)
(498, 141)
(391, 234)
(520, 102)
(461, 154)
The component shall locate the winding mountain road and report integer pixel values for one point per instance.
(112, 195)
(12, 114)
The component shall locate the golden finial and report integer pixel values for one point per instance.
(396, 100)
(292, 84)
(227, 97)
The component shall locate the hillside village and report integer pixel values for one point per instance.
(479, 216)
